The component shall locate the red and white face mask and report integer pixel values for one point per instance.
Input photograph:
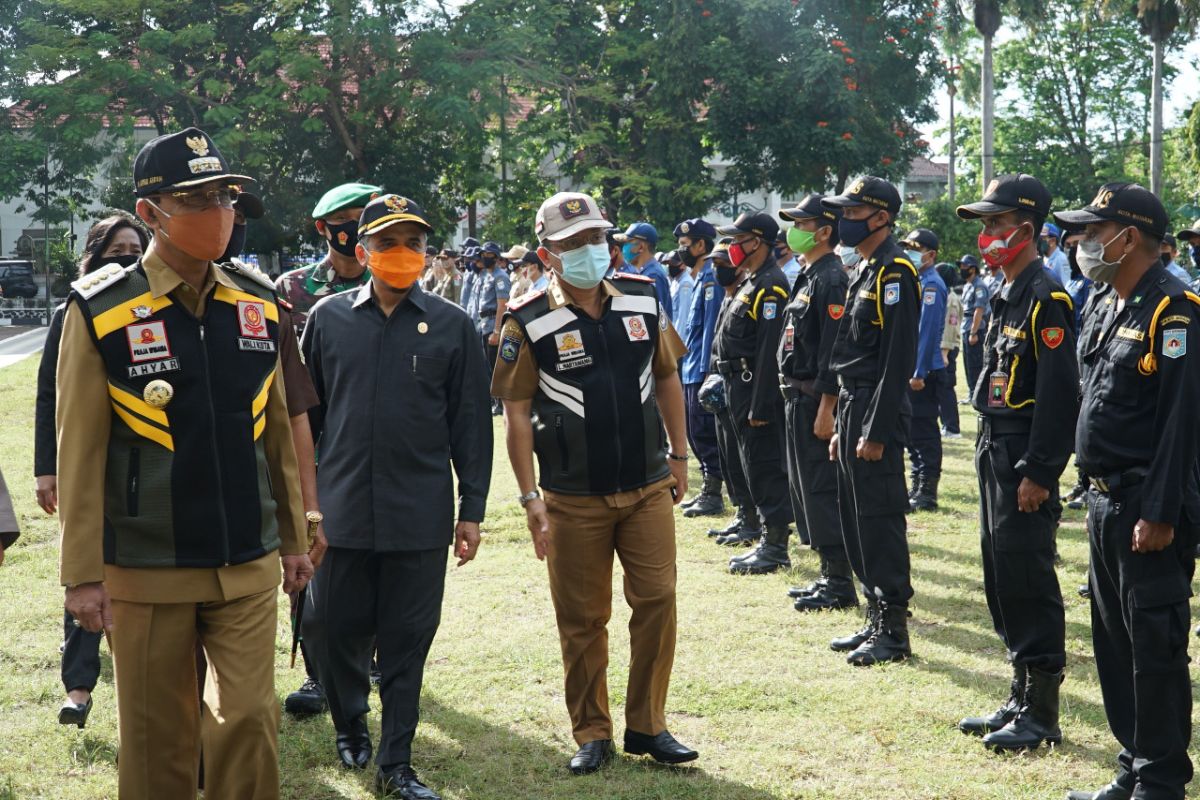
(996, 251)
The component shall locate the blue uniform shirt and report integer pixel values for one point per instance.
(1179, 272)
(1059, 266)
(1079, 289)
(975, 295)
(662, 284)
(490, 289)
(701, 326)
(933, 323)
(681, 301)
(792, 270)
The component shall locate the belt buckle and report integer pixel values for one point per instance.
(1101, 484)
(747, 376)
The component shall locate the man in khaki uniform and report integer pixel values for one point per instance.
(594, 361)
(179, 493)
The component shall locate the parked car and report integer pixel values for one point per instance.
(16, 279)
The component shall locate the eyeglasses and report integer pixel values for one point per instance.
(191, 202)
(593, 236)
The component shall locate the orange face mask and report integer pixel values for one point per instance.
(398, 267)
(203, 235)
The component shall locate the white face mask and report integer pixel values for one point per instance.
(1090, 257)
(850, 257)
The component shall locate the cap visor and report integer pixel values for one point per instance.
(250, 205)
(1187, 236)
(387, 222)
(1077, 219)
(795, 215)
(198, 181)
(730, 230)
(982, 209)
(841, 201)
(582, 225)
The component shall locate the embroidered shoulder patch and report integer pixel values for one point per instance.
(1052, 337)
(930, 297)
(769, 309)
(836, 311)
(891, 294)
(1175, 343)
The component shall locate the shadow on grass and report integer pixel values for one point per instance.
(91, 750)
(462, 755)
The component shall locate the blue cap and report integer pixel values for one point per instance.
(470, 252)
(490, 247)
(1050, 229)
(695, 229)
(639, 230)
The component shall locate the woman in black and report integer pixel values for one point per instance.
(117, 239)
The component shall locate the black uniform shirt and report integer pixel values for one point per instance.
(402, 397)
(877, 336)
(748, 328)
(810, 323)
(1091, 321)
(1030, 349)
(1142, 392)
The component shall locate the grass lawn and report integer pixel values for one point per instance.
(774, 713)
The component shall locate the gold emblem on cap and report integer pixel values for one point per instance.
(158, 394)
(992, 187)
(858, 186)
(197, 145)
(683, 228)
(422, 327)
(396, 203)
(1103, 198)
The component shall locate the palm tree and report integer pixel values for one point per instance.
(988, 16)
(1159, 19)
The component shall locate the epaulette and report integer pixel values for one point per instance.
(253, 273)
(525, 300)
(629, 276)
(100, 279)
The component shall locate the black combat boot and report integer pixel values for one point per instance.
(770, 556)
(740, 520)
(1117, 790)
(812, 588)
(1037, 720)
(980, 726)
(708, 503)
(925, 498)
(748, 531)
(889, 640)
(855, 640)
(914, 483)
(837, 591)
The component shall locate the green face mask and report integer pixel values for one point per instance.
(801, 241)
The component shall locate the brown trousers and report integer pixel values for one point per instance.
(638, 526)
(161, 726)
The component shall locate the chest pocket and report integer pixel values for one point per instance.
(428, 371)
(1119, 376)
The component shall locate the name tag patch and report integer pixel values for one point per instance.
(635, 326)
(569, 344)
(252, 319)
(891, 294)
(789, 338)
(1175, 343)
(1131, 333)
(574, 363)
(148, 341)
(255, 345)
(153, 367)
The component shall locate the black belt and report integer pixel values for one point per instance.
(742, 367)
(1119, 480)
(792, 388)
(487, 314)
(1004, 426)
(854, 383)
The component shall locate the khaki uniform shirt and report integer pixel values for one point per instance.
(84, 421)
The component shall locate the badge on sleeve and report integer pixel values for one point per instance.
(708, 292)
(663, 319)
(1175, 343)
(836, 311)
(509, 347)
(769, 309)
(635, 326)
(930, 297)
(891, 294)
(1052, 337)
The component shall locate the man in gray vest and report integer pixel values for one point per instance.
(585, 369)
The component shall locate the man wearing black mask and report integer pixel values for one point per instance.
(682, 286)
(336, 219)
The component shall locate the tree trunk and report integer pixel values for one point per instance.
(989, 107)
(950, 187)
(1156, 121)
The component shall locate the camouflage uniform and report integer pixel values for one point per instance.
(303, 287)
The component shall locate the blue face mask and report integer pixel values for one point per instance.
(853, 232)
(627, 252)
(914, 256)
(584, 267)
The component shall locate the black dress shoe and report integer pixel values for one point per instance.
(307, 700)
(73, 713)
(354, 749)
(663, 748)
(400, 781)
(591, 757)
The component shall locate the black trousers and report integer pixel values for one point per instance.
(80, 656)
(1019, 580)
(1140, 635)
(812, 477)
(731, 461)
(761, 450)
(972, 362)
(872, 498)
(947, 399)
(360, 599)
(925, 439)
(702, 433)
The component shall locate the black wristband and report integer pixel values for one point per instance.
(674, 457)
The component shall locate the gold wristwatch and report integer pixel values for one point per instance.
(315, 518)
